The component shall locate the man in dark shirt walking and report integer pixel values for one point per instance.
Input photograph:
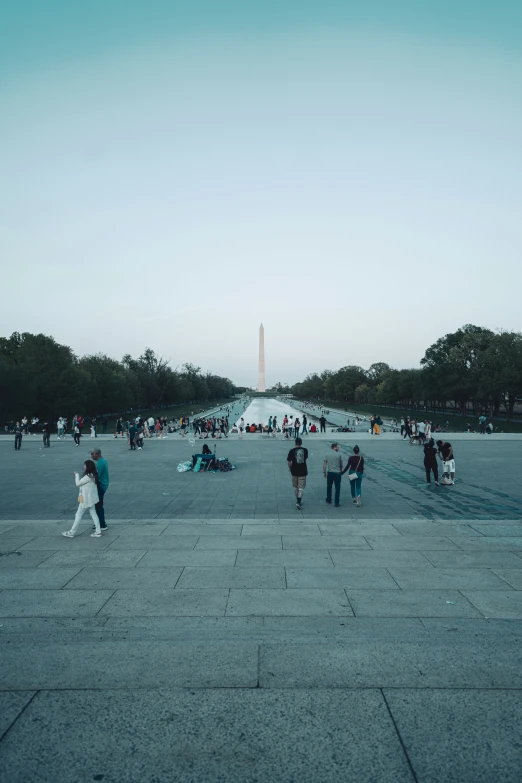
(296, 461)
(322, 422)
(18, 436)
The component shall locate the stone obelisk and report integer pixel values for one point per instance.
(261, 386)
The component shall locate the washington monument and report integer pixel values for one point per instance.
(261, 386)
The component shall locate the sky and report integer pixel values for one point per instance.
(174, 173)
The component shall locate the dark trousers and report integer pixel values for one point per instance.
(99, 507)
(132, 444)
(333, 478)
(431, 466)
(323, 427)
(46, 440)
(18, 441)
(77, 436)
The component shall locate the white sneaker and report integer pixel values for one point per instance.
(68, 534)
(95, 535)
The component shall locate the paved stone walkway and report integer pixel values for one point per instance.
(38, 483)
(215, 633)
(262, 650)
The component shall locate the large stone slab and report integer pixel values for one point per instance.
(188, 628)
(487, 543)
(499, 530)
(513, 576)
(288, 602)
(451, 662)
(118, 664)
(232, 577)
(411, 603)
(157, 602)
(202, 529)
(52, 603)
(325, 542)
(154, 542)
(26, 559)
(497, 603)
(109, 558)
(436, 529)
(10, 544)
(173, 736)
(287, 558)
(79, 542)
(124, 578)
(410, 542)
(474, 626)
(185, 557)
(36, 578)
(464, 736)
(369, 578)
(447, 578)
(351, 527)
(474, 559)
(283, 529)
(241, 542)
(11, 705)
(379, 559)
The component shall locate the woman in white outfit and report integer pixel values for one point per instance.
(87, 499)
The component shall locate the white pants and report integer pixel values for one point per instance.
(79, 514)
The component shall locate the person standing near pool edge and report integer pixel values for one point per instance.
(102, 468)
(296, 461)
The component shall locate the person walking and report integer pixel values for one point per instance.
(430, 462)
(445, 451)
(296, 461)
(274, 427)
(77, 434)
(140, 435)
(46, 431)
(355, 469)
(482, 424)
(119, 427)
(60, 428)
(241, 428)
(132, 435)
(305, 423)
(297, 427)
(18, 431)
(322, 422)
(87, 499)
(102, 469)
(332, 471)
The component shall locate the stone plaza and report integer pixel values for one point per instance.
(216, 633)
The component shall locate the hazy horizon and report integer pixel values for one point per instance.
(176, 174)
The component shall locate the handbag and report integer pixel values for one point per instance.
(353, 476)
(80, 498)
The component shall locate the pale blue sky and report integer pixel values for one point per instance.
(175, 173)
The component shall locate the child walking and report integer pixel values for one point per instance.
(87, 499)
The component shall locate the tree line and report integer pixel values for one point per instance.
(472, 368)
(38, 376)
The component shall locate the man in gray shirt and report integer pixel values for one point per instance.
(332, 470)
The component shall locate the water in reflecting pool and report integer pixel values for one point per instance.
(260, 410)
